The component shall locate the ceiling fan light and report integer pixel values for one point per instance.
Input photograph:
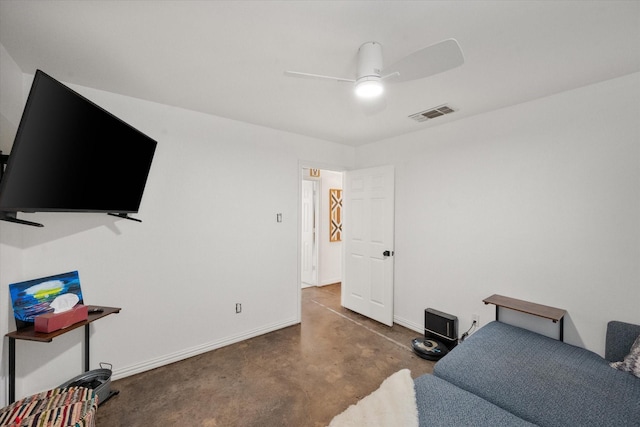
(369, 87)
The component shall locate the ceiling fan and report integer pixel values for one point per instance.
(370, 73)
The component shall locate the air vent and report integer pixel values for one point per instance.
(432, 113)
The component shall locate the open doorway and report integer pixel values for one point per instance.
(321, 245)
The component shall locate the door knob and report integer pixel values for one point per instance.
(387, 253)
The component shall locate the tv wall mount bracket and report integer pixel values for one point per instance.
(12, 216)
(125, 216)
(4, 158)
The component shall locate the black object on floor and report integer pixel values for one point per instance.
(429, 349)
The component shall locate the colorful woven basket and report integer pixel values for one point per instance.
(60, 407)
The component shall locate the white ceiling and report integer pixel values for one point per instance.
(227, 58)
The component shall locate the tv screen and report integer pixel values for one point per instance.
(70, 155)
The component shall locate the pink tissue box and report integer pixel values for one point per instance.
(52, 322)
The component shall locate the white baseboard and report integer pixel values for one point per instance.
(194, 351)
(408, 324)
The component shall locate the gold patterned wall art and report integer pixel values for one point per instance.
(335, 215)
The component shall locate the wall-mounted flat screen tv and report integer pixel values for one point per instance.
(70, 155)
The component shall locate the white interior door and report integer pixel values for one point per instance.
(367, 286)
(309, 252)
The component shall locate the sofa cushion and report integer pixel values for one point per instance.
(443, 404)
(542, 380)
(631, 362)
(620, 337)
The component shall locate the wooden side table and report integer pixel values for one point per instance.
(30, 334)
(554, 314)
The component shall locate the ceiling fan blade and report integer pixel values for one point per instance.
(316, 76)
(428, 61)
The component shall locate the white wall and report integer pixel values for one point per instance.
(330, 256)
(209, 239)
(539, 201)
(11, 104)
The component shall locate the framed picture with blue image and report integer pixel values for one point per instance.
(35, 297)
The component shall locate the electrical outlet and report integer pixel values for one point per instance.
(475, 318)
(238, 308)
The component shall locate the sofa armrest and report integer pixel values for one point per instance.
(620, 338)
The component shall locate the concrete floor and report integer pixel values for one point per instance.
(303, 375)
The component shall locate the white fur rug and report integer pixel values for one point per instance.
(393, 404)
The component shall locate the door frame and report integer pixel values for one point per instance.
(302, 164)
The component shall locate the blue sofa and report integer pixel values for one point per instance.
(508, 376)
